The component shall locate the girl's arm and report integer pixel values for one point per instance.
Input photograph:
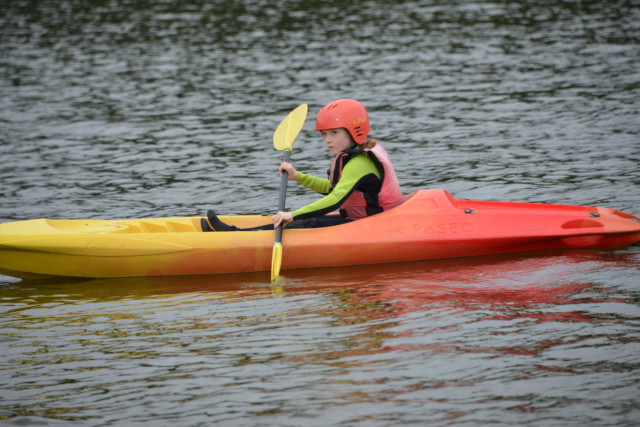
(359, 169)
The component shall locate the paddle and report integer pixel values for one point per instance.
(283, 138)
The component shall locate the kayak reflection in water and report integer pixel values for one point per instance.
(362, 181)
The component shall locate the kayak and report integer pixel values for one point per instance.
(429, 224)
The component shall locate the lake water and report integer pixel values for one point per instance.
(128, 109)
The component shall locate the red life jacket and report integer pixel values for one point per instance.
(359, 205)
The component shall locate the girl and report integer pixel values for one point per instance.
(361, 180)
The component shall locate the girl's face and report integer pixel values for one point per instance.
(337, 140)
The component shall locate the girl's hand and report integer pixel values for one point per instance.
(286, 166)
(282, 217)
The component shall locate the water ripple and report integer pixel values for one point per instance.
(138, 109)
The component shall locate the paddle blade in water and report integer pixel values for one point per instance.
(276, 261)
(289, 128)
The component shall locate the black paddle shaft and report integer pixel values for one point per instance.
(284, 178)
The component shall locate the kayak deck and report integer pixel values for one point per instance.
(429, 224)
(128, 226)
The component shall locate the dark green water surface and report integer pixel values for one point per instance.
(116, 109)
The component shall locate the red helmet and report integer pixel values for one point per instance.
(345, 113)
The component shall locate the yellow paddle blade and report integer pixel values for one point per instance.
(277, 290)
(289, 128)
(276, 261)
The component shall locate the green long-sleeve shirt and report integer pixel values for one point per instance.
(360, 173)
